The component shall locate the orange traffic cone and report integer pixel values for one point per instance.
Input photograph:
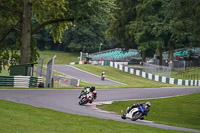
(122, 111)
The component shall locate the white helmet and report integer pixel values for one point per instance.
(148, 104)
(103, 72)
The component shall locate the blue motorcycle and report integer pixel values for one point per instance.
(137, 111)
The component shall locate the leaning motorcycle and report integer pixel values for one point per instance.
(136, 113)
(86, 98)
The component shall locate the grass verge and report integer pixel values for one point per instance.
(131, 81)
(61, 58)
(182, 111)
(192, 73)
(4, 72)
(27, 119)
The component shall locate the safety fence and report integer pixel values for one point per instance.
(20, 81)
(150, 76)
(157, 69)
(64, 81)
(153, 76)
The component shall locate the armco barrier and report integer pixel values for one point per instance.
(149, 75)
(20, 81)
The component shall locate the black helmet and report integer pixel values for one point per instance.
(92, 88)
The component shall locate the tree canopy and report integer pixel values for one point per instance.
(27, 17)
(142, 24)
(166, 24)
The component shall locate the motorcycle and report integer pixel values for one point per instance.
(102, 77)
(86, 98)
(136, 112)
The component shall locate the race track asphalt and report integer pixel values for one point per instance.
(67, 100)
(83, 75)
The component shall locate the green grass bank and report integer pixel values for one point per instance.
(22, 118)
(181, 111)
(61, 57)
(131, 81)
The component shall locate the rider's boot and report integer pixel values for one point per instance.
(142, 118)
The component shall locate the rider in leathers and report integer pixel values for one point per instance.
(146, 105)
(87, 90)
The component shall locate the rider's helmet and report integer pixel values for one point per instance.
(95, 92)
(148, 104)
(92, 88)
(103, 72)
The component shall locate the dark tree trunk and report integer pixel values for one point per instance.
(160, 55)
(26, 34)
(171, 52)
(143, 56)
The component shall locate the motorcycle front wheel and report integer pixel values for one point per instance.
(123, 116)
(136, 115)
(83, 101)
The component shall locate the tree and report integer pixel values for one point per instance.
(54, 15)
(148, 12)
(132, 24)
(165, 24)
(85, 37)
(44, 39)
(181, 25)
(122, 15)
(183, 16)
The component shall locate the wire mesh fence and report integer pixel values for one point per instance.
(39, 66)
(64, 82)
(192, 73)
(179, 66)
(157, 70)
(185, 76)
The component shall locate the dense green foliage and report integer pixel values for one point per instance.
(151, 24)
(148, 25)
(85, 37)
(122, 16)
(182, 111)
(26, 17)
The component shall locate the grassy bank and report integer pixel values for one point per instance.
(27, 119)
(4, 72)
(182, 111)
(131, 81)
(192, 73)
(61, 58)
